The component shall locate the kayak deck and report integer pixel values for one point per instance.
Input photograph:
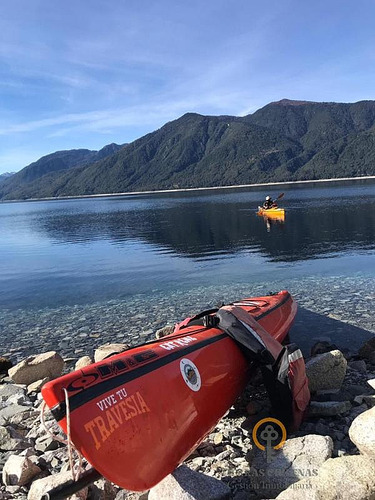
(137, 415)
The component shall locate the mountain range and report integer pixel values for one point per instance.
(283, 141)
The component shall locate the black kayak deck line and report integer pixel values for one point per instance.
(87, 395)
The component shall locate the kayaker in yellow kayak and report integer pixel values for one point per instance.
(269, 203)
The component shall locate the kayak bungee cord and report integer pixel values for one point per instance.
(68, 442)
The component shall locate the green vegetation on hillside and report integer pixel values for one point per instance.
(284, 141)
(36, 179)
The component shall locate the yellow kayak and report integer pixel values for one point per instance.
(272, 212)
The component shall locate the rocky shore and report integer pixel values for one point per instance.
(332, 456)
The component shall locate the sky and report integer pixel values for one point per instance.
(83, 74)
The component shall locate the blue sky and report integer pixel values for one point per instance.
(82, 74)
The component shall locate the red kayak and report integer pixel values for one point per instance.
(137, 415)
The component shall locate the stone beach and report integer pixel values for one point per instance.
(338, 430)
(337, 440)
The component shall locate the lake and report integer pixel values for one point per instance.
(77, 273)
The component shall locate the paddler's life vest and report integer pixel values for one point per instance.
(283, 367)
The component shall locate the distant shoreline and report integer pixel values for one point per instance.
(184, 190)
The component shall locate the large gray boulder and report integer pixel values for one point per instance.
(362, 433)
(47, 365)
(343, 478)
(298, 458)
(106, 350)
(19, 470)
(326, 371)
(42, 486)
(186, 484)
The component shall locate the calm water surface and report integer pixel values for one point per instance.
(61, 261)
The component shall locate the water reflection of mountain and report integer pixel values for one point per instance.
(201, 230)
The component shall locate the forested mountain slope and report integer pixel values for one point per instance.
(284, 141)
(37, 176)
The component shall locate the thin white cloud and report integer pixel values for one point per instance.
(150, 114)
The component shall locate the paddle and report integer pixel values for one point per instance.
(278, 198)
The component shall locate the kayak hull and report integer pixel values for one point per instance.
(277, 213)
(137, 415)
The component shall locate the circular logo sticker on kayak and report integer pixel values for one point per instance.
(190, 374)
